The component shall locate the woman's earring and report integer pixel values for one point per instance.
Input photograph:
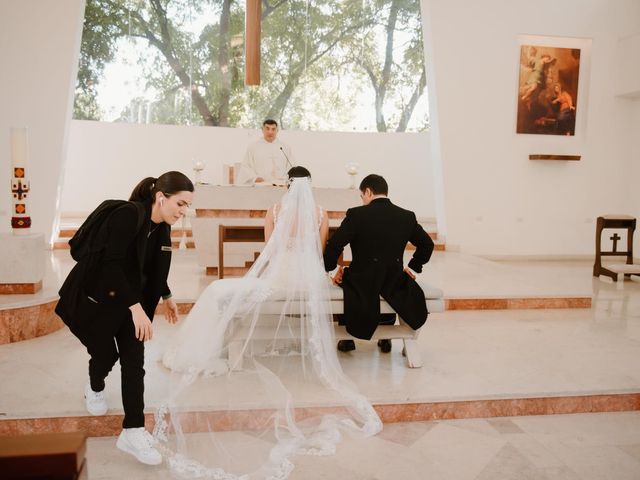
(161, 201)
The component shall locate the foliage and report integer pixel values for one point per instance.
(323, 63)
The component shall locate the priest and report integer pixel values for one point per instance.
(267, 159)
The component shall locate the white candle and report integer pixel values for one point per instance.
(20, 218)
(19, 147)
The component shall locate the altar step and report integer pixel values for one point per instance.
(65, 234)
(235, 420)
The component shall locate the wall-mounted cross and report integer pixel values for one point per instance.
(252, 34)
(615, 239)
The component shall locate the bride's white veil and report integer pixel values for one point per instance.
(256, 379)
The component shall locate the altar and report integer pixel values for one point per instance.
(234, 205)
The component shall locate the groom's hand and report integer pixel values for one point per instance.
(170, 311)
(409, 272)
(337, 278)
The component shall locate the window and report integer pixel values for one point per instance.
(331, 65)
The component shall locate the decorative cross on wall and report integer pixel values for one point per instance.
(615, 239)
(20, 190)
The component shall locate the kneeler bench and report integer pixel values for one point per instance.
(616, 271)
(56, 456)
(273, 306)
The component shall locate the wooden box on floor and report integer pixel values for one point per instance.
(54, 456)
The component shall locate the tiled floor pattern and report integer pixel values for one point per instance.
(557, 447)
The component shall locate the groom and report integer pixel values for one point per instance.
(378, 233)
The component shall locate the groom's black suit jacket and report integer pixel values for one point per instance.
(378, 234)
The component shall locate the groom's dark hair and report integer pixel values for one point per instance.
(375, 183)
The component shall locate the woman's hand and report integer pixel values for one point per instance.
(170, 311)
(337, 278)
(141, 322)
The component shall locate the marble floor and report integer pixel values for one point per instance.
(459, 275)
(468, 356)
(594, 446)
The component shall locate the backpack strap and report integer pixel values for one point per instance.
(141, 213)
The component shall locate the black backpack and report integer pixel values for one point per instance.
(83, 241)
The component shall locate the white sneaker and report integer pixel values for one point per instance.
(95, 402)
(139, 443)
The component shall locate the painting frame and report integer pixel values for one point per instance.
(552, 82)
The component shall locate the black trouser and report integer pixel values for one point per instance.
(110, 335)
(385, 319)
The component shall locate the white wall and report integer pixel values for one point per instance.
(628, 81)
(633, 169)
(39, 45)
(108, 159)
(497, 201)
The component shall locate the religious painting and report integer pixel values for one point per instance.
(548, 90)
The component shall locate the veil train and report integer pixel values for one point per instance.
(287, 395)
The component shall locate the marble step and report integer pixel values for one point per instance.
(61, 243)
(238, 419)
(67, 233)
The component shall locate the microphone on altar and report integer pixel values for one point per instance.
(285, 156)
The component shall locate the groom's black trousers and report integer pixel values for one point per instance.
(109, 336)
(385, 319)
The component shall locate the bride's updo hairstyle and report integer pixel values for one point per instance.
(297, 172)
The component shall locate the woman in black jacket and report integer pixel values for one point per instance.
(109, 298)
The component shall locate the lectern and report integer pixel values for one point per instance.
(616, 271)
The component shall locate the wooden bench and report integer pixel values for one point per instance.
(58, 456)
(271, 309)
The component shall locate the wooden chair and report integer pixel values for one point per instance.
(616, 271)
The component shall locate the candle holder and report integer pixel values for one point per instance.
(183, 238)
(352, 171)
(198, 167)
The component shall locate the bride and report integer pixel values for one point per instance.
(255, 375)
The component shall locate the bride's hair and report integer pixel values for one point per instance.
(297, 172)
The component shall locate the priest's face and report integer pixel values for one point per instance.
(269, 132)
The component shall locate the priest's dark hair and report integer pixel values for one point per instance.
(298, 172)
(376, 183)
(168, 183)
(269, 121)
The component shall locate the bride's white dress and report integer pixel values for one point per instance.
(290, 367)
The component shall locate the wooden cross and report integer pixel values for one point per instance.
(252, 42)
(615, 239)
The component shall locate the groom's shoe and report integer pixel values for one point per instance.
(346, 345)
(385, 345)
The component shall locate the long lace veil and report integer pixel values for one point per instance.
(256, 380)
